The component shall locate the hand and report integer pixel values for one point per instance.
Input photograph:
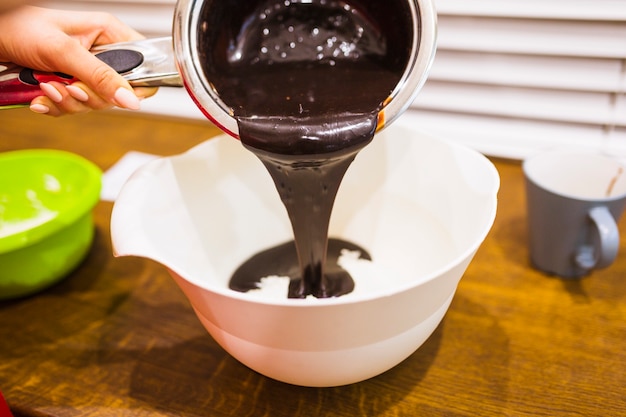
(9, 4)
(59, 41)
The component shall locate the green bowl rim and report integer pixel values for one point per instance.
(91, 195)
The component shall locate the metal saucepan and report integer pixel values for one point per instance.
(183, 59)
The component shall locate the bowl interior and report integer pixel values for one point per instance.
(41, 192)
(419, 205)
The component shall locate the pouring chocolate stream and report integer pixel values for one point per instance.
(306, 81)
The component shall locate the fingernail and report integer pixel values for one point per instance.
(39, 108)
(127, 99)
(78, 93)
(52, 93)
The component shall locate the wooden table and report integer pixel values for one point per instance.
(117, 337)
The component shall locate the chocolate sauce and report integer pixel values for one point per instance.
(306, 80)
(282, 261)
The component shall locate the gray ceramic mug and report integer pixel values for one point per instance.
(574, 200)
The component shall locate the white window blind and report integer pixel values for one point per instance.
(510, 76)
(150, 17)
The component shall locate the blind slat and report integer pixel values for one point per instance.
(582, 74)
(149, 17)
(515, 138)
(608, 10)
(539, 104)
(536, 37)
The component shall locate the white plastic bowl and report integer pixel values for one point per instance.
(420, 206)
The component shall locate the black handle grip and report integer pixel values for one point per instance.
(121, 60)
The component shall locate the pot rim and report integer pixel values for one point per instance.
(186, 23)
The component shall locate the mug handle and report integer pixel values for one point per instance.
(607, 234)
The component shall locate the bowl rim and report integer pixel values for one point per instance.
(464, 255)
(88, 198)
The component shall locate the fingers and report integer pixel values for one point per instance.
(123, 98)
(39, 106)
(145, 92)
(60, 99)
(78, 93)
(101, 79)
(81, 93)
(105, 28)
(126, 99)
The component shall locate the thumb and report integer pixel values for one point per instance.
(99, 77)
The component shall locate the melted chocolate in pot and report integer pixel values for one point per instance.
(306, 80)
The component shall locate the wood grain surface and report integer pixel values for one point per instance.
(118, 338)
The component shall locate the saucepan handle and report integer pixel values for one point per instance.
(144, 63)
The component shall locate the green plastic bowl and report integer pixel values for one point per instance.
(46, 225)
